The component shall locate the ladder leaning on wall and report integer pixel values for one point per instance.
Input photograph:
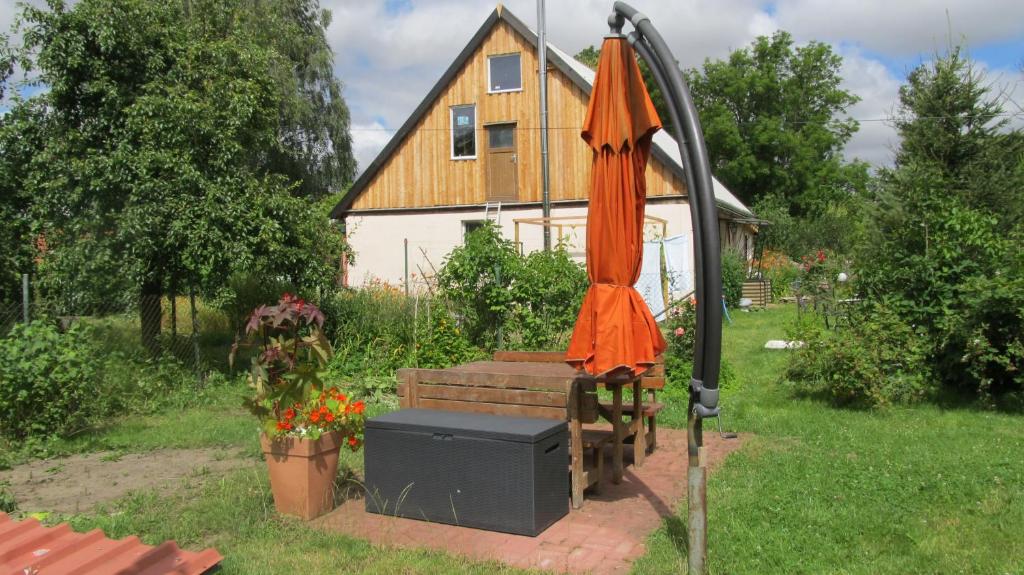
(495, 208)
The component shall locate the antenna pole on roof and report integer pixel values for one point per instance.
(542, 56)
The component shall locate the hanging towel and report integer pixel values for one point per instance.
(649, 283)
(679, 265)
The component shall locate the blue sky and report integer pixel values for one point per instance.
(390, 52)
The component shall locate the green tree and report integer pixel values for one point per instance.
(162, 138)
(316, 145)
(771, 119)
(17, 140)
(943, 245)
(950, 119)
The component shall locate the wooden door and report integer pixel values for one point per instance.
(502, 179)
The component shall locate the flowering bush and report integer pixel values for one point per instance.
(290, 397)
(328, 411)
(681, 335)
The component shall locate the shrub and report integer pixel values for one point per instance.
(8, 504)
(879, 360)
(734, 271)
(780, 270)
(982, 350)
(441, 342)
(546, 297)
(681, 328)
(533, 299)
(47, 380)
(372, 329)
(245, 292)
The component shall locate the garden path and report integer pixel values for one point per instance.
(77, 484)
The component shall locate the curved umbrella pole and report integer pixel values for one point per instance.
(703, 401)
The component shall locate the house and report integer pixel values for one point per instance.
(470, 152)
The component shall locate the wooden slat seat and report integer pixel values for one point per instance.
(595, 440)
(648, 409)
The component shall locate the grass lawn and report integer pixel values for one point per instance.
(818, 490)
(826, 490)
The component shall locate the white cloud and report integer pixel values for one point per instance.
(878, 89)
(903, 27)
(368, 140)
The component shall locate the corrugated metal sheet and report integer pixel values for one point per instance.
(29, 548)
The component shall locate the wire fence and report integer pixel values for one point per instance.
(182, 329)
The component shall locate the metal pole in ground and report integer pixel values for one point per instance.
(24, 297)
(542, 56)
(703, 402)
(406, 267)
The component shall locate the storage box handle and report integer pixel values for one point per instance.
(553, 447)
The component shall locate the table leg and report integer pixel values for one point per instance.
(578, 482)
(619, 434)
(639, 440)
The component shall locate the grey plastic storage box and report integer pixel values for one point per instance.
(490, 472)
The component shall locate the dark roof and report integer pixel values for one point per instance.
(555, 57)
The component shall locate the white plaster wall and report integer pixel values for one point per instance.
(379, 238)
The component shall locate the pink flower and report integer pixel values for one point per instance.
(680, 331)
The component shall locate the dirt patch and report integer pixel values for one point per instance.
(77, 484)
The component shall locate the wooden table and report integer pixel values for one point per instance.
(525, 389)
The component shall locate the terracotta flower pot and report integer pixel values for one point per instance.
(302, 473)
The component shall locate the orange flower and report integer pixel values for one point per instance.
(289, 413)
(342, 398)
(314, 416)
(329, 416)
(358, 407)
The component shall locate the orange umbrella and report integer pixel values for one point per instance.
(615, 331)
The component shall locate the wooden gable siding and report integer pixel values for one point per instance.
(421, 173)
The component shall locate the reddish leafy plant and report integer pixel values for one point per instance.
(290, 398)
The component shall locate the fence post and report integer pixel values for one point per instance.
(24, 298)
(195, 329)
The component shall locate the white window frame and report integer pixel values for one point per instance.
(489, 83)
(451, 132)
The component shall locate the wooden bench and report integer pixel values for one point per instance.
(523, 389)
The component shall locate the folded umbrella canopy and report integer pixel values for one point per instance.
(615, 332)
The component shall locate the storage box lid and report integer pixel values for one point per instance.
(519, 429)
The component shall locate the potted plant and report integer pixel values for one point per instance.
(303, 424)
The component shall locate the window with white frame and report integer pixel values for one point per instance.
(463, 132)
(504, 73)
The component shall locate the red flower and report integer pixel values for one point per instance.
(289, 413)
(281, 426)
(353, 442)
(314, 416)
(329, 416)
(821, 256)
(358, 407)
(342, 398)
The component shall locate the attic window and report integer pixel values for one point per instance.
(464, 132)
(504, 73)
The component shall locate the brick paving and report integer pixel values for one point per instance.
(604, 537)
